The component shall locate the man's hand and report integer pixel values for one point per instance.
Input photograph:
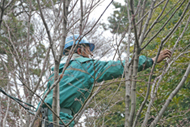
(166, 53)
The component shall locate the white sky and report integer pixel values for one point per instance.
(98, 11)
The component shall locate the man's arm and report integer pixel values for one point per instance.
(113, 69)
(106, 70)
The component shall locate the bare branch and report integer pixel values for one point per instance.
(81, 17)
(47, 29)
(166, 24)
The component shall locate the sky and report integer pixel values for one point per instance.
(98, 11)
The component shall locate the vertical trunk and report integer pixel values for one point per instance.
(128, 74)
(133, 85)
(27, 64)
(56, 98)
(133, 72)
(55, 105)
(127, 93)
(1, 115)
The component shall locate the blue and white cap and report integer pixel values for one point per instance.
(70, 41)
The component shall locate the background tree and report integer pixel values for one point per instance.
(21, 60)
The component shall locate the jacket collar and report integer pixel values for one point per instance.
(74, 57)
(64, 58)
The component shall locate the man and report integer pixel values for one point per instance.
(82, 72)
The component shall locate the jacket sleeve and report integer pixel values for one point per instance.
(106, 70)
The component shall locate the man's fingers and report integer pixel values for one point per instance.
(167, 56)
(166, 52)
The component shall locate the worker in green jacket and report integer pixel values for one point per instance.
(83, 72)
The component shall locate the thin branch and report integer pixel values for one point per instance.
(166, 24)
(181, 35)
(147, 22)
(42, 71)
(72, 7)
(81, 17)
(7, 111)
(122, 37)
(142, 11)
(10, 2)
(86, 15)
(47, 29)
(98, 18)
(156, 20)
(87, 103)
(169, 11)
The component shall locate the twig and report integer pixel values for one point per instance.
(98, 18)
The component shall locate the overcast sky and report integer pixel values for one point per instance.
(98, 11)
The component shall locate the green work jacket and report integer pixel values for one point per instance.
(79, 77)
